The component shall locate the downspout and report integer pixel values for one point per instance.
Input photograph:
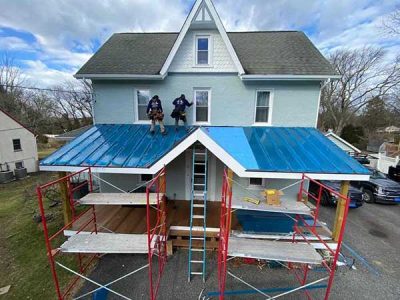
(323, 85)
(93, 102)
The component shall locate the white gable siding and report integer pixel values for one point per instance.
(184, 60)
(9, 130)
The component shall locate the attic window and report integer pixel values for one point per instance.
(202, 50)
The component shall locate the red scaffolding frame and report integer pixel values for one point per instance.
(156, 235)
(300, 222)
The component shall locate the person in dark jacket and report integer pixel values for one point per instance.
(155, 113)
(179, 112)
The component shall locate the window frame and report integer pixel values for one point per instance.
(143, 181)
(19, 162)
(136, 101)
(210, 47)
(20, 145)
(270, 107)
(195, 106)
(256, 186)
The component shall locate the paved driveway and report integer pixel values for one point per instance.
(372, 238)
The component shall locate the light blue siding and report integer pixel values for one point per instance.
(232, 100)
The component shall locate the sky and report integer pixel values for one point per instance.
(51, 39)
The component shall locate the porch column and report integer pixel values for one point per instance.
(340, 210)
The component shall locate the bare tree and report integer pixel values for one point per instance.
(365, 75)
(391, 24)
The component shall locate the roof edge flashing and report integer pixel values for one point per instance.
(120, 76)
(253, 77)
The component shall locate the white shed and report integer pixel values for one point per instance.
(18, 147)
(342, 144)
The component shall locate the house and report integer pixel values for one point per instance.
(255, 106)
(18, 147)
(342, 144)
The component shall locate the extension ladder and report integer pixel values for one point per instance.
(198, 210)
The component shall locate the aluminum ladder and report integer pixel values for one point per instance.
(198, 213)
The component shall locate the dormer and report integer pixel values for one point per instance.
(203, 45)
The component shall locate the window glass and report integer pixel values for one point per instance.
(19, 165)
(143, 98)
(202, 51)
(255, 181)
(17, 144)
(202, 102)
(146, 177)
(262, 107)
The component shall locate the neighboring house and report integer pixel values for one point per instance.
(18, 147)
(390, 129)
(256, 101)
(342, 144)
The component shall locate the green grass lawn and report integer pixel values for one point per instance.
(24, 264)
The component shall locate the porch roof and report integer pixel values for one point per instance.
(266, 152)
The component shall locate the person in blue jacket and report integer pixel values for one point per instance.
(155, 113)
(179, 112)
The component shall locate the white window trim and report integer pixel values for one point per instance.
(195, 106)
(254, 186)
(271, 104)
(136, 103)
(210, 50)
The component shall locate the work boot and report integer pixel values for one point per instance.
(164, 132)
(152, 132)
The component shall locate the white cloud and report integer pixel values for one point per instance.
(67, 31)
(12, 43)
(38, 74)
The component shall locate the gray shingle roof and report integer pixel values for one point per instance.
(264, 53)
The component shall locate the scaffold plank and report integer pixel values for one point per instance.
(289, 206)
(273, 250)
(119, 199)
(106, 243)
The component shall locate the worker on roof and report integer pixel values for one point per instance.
(179, 112)
(155, 113)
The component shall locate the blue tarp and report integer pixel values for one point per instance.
(284, 149)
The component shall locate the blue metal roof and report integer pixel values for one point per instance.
(261, 149)
(123, 146)
(284, 149)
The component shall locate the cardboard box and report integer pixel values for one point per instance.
(273, 197)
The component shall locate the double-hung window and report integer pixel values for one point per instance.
(263, 107)
(17, 145)
(142, 100)
(202, 105)
(202, 50)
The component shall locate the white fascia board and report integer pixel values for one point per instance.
(289, 77)
(180, 37)
(119, 76)
(224, 36)
(97, 170)
(334, 135)
(185, 28)
(316, 176)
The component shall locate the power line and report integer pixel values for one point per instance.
(45, 89)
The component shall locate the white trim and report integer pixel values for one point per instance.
(318, 107)
(195, 106)
(210, 51)
(120, 76)
(216, 150)
(270, 107)
(185, 28)
(343, 141)
(289, 77)
(136, 104)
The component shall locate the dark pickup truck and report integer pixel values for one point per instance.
(328, 198)
(379, 188)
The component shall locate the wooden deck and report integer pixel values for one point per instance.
(132, 220)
